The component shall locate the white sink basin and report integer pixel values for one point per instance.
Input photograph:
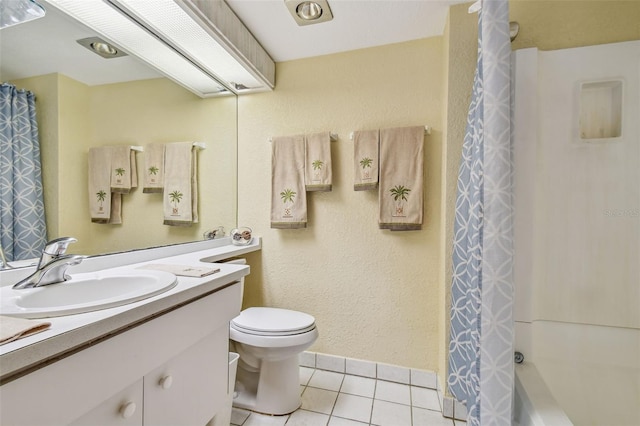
(85, 293)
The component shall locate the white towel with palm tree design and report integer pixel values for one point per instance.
(112, 172)
(401, 178)
(153, 176)
(180, 196)
(318, 162)
(288, 195)
(124, 174)
(365, 159)
(99, 169)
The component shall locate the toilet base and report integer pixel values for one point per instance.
(275, 389)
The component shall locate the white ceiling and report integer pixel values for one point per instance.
(356, 24)
(48, 44)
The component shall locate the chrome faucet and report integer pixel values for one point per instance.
(53, 264)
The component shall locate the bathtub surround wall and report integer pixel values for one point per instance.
(578, 230)
(546, 24)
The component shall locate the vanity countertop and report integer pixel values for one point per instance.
(69, 334)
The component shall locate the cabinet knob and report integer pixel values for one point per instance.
(166, 382)
(127, 409)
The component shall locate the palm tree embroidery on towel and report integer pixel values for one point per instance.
(366, 164)
(101, 196)
(399, 194)
(175, 197)
(288, 196)
(153, 171)
(317, 169)
(119, 173)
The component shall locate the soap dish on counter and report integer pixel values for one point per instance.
(241, 236)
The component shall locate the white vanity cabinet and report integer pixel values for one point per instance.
(171, 369)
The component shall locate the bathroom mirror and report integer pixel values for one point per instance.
(83, 101)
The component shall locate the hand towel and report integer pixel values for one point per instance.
(153, 168)
(100, 184)
(401, 178)
(180, 184)
(365, 159)
(288, 196)
(318, 162)
(15, 328)
(124, 175)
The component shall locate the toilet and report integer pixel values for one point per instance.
(269, 341)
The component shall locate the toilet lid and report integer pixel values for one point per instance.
(273, 321)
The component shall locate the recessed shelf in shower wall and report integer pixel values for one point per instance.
(600, 105)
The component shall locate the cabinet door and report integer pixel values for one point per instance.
(122, 409)
(188, 389)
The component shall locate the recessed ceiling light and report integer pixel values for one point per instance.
(101, 47)
(309, 12)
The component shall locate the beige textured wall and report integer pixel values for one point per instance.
(74, 141)
(560, 24)
(374, 293)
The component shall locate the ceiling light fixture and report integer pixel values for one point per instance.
(101, 47)
(309, 12)
(15, 12)
(176, 38)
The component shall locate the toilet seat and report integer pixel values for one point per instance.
(273, 322)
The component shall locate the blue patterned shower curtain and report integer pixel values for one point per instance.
(22, 221)
(481, 340)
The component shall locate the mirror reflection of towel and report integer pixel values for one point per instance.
(112, 172)
(153, 176)
(100, 184)
(124, 175)
(180, 199)
(401, 185)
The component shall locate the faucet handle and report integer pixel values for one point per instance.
(58, 246)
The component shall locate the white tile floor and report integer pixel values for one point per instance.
(336, 399)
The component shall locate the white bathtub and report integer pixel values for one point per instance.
(534, 403)
(584, 375)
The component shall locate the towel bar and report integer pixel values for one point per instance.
(333, 136)
(427, 131)
(199, 145)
